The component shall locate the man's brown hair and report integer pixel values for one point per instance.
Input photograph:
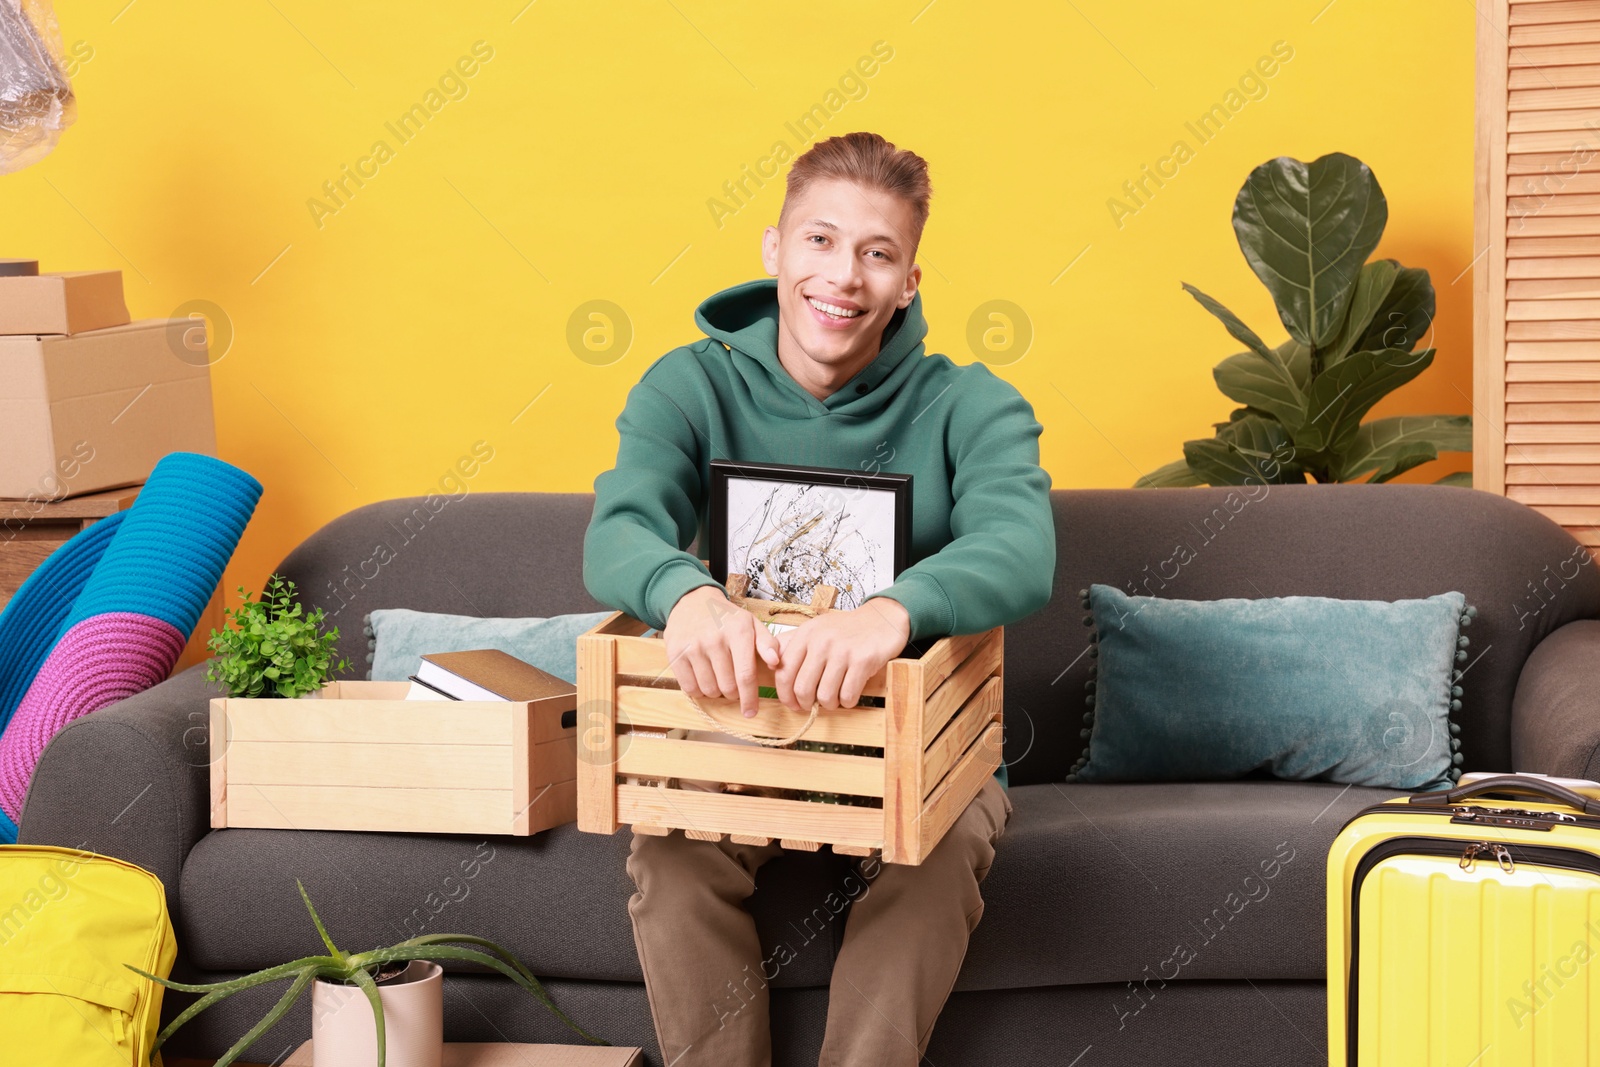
(869, 160)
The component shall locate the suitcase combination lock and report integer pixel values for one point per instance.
(1501, 854)
(1520, 818)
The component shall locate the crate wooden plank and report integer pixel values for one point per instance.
(1551, 392)
(467, 722)
(752, 816)
(649, 706)
(367, 764)
(904, 745)
(946, 656)
(944, 701)
(946, 803)
(982, 708)
(826, 772)
(217, 752)
(597, 734)
(646, 657)
(335, 807)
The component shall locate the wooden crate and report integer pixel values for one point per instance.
(362, 757)
(940, 731)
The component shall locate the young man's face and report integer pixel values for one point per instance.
(849, 247)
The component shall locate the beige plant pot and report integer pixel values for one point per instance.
(343, 1033)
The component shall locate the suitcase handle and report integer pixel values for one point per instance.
(1510, 783)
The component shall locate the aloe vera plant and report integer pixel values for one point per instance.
(351, 967)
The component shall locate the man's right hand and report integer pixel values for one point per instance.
(712, 645)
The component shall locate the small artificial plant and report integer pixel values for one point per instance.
(273, 648)
(1306, 231)
(351, 968)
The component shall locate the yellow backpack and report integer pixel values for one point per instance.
(69, 920)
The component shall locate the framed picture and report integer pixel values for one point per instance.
(792, 528)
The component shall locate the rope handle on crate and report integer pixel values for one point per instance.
(816, 705)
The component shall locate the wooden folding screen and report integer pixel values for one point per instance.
(1537, 276)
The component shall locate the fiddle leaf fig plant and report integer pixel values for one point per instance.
(274, 647)
(1306, 230)
(351, 968)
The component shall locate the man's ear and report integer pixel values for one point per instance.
(769, 250)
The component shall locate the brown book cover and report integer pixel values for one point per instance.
(502, 674)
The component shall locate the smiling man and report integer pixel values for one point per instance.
(821, 364)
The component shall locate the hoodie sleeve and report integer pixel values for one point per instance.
(645, 507)
(1000, 564)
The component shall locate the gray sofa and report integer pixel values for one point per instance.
(1124, 923)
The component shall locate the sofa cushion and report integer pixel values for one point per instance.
(1121, 882)
(1306, 688)
(398, 638)
(558, 900)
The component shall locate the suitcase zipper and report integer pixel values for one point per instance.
(1571, 859)
(1463, 813)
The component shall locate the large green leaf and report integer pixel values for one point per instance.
(1341, 397)
(1456, 478)
(1372, 289)
(1265, 384)
(1218, 461)
(1176, 473)
(1406, 314)
(1266, 444)
(1392, 446)
(1241, 333)
(1306, 230)
(1297, 358)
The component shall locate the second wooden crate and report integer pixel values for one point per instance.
(362, 757)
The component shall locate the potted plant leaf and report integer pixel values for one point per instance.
(274, 648)
(365, 970)
(1306, 231)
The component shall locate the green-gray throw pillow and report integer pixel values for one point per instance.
(397, 639)
(1300, 687)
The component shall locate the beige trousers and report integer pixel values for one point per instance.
(904, 941)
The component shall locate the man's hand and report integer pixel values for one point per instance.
(712, 646)
(829, 658)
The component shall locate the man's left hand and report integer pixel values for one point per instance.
(828, 659)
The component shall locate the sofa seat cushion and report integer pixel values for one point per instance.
(1118, 882)
(558, 900)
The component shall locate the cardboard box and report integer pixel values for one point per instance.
(97, 410)
(940, 731)
(63, 303)
(515, 1054)
(360, 756)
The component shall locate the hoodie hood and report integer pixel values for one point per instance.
(744, 318)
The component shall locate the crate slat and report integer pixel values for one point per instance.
(752, 816)
(399, 765)
(943, 702)
(904, 745)
(466, 722)
(649, 706)
(597, 733)
(646, 657)
(945, 804)
(328, 807)
(824, 772)
(982, 708)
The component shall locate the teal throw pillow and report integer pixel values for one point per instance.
(1302, 688)
(397, 638)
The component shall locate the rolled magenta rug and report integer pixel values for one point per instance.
(131, 614)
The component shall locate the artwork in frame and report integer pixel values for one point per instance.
(791, 528)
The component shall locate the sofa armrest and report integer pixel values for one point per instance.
(1555, 716)
(131, 780)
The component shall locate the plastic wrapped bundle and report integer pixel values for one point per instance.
(36, 101)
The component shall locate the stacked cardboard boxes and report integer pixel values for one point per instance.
(88, 399)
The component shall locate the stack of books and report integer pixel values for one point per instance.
(486, 674)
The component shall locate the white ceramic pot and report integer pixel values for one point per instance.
(343, 1033)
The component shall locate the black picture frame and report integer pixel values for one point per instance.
(723, 471)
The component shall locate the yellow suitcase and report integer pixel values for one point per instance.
(1464, 928)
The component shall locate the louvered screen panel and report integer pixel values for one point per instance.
(1537, 281)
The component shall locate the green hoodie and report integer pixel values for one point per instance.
(983, 547)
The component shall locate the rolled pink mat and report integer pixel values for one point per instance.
(97, 662)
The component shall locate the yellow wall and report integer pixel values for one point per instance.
(373, 345)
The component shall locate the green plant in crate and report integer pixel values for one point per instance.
(354, 968)
(1306, 231)
(274, 648)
